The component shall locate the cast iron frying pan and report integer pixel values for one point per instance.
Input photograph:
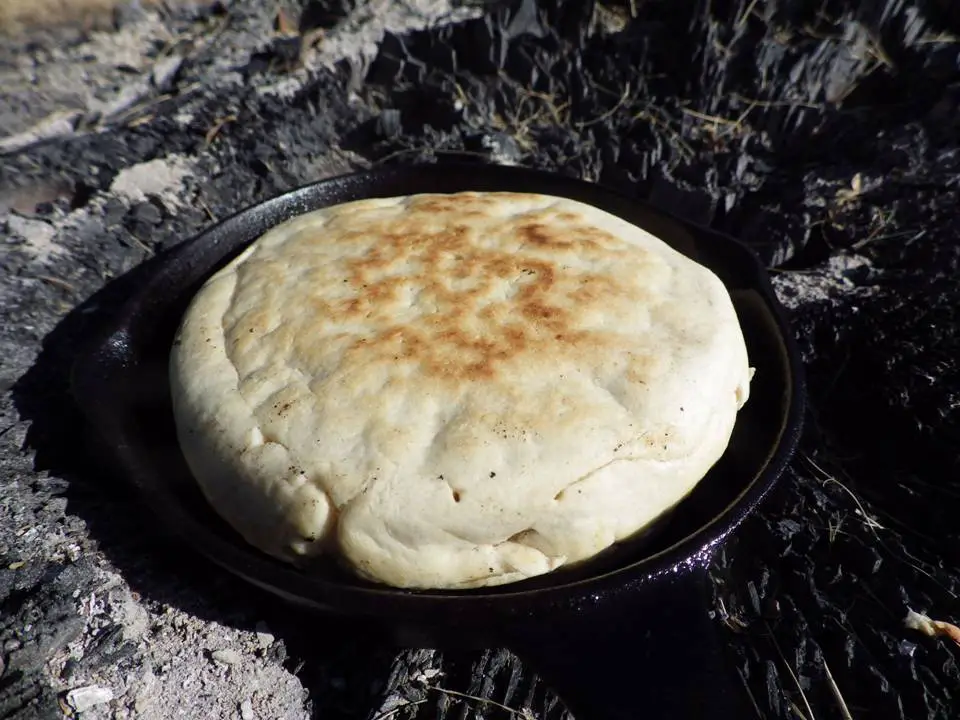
(625, 636)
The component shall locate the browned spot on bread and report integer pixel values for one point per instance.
(448, 285)
(542, 236)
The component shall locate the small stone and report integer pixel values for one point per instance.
(81, 699)
(388, 123)
(141, 704)
(503, 149)
(113, 211)
(147, 212)
(165, 71)
(69, 668)
(11, 645)
(226, 656)
(264, 637)
(246, 710)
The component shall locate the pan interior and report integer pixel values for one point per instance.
(121, 382)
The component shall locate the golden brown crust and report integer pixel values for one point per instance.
(499, 294)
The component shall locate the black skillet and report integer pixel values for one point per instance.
(625, 636)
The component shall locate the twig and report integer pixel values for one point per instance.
(142, 120)
(207, 210)
(212, 133)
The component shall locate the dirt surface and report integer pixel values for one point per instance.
(826, 137)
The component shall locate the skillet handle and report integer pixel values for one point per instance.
(653, 653)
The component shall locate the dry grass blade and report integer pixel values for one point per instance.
(141, 244)
(868, 519)
(755, 102)
(747, 13)
(873, 525)
(658, 118)
(834, 688)
(753, 700)
(941, 38)
(720, 125)
(63, 284)
(393, 711)
(793, 676)
(715, 119)
(608, 113)
(207, 210)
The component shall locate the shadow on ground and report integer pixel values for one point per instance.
(342, 664)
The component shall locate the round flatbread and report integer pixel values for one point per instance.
(453, 391)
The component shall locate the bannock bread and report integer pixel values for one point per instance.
(454, 391)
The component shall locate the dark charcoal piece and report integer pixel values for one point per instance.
(324, 13)
(388, 124)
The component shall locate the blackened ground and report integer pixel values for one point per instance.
(823, 133)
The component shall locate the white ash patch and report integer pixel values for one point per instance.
(359, 35)
(77, 75)
(825, 283)
(191, 660)
(36, 238)
(285, 87)
(57, 124)
(183, 118)
(125, 48)
(162, 177)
